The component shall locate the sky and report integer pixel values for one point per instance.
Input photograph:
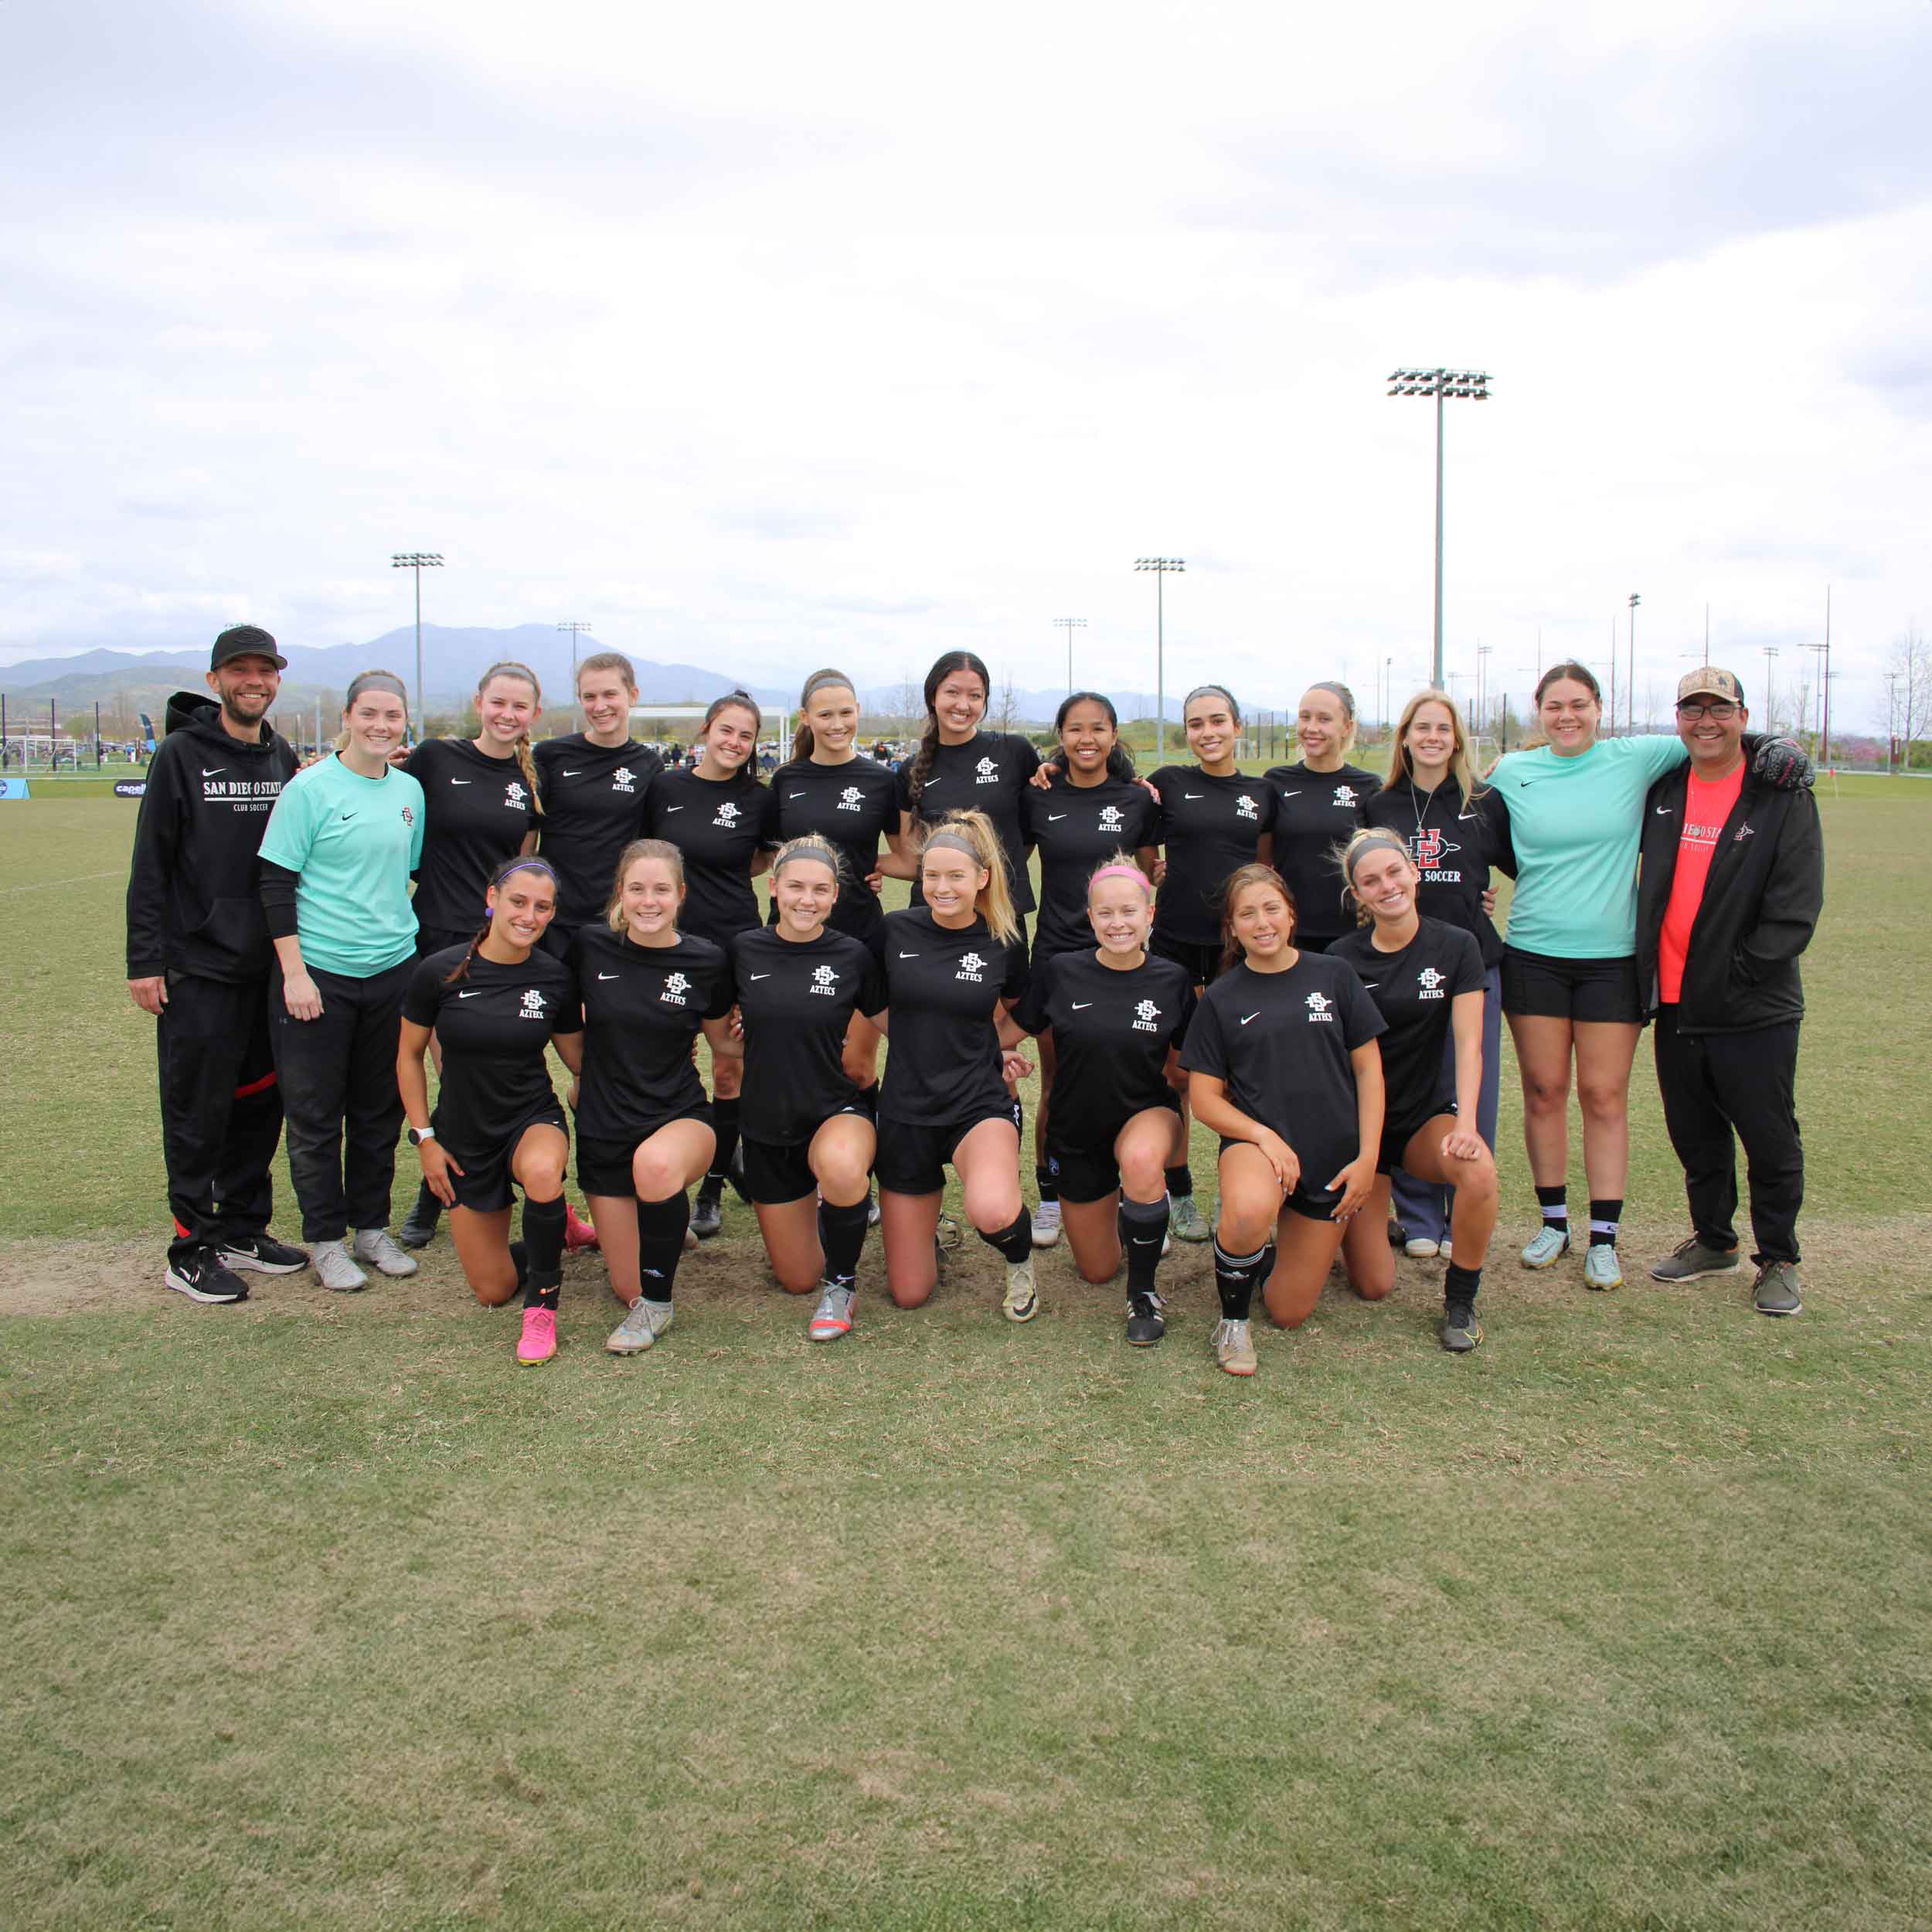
(766, 337)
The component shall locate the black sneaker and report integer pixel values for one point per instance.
(263, 1254)
(1461, 1331)
(707, 1215)
(419, 1229)
(202, 1277)
(1398, 1233)
(1146, 1321)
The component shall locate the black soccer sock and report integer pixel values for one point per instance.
(661, 1226)
(543, 1239)
(724, 1115)
(841, 1234)
(1047, 1178)
(1460, 1284)
(520, 1261)
(1180, 1181)
(1015, 1242)
(1556, 1206)
(1603, 1217)
(1143, 1226)
(428, 1209)
(1235, 1276)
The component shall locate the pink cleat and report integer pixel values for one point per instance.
(538, 1342)
(577, 1234)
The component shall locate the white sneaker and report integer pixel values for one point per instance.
(1046, 1224)
(1022, 1292)
(374, 1245)
(643, 1322)
(1234, 1348)
(330, 1262)
(1419, 1250)
(832, 1320)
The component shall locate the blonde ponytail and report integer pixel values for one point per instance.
(994, 901)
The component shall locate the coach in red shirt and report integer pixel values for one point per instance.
(1732, 884)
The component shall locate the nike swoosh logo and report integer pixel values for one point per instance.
(1143, 1240)
(1663, 812)
(215, 773)
(669, 809)
(475, 995)
(761, 976)
(569, 774)
(1054, 818)
(1194, 794)
(610, 976)
(347, 816)
(908, 955)
(1250, 1016)
(1372, 982)
(1291, 795)
(794, 795)
(1081, 1006)
(462, 781)
(1468, 814)
(931, 782)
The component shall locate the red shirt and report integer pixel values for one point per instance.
(1706, 806)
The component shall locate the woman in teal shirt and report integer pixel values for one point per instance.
(341, 842)
(1569, 990)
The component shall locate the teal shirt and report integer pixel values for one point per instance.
(355, 842)
(1575, 823)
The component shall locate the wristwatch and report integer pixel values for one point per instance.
(419, 1134)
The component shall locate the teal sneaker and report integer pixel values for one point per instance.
(1549, 1247)
(1601, 1269)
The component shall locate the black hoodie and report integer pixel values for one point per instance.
(191, 894)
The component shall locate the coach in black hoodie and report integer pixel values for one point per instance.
(198, 959)
(1732, 885)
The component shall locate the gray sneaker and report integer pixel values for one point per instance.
(832, 1320)
(643, 1322)
(1691, 1261)
(1184, 1219)
(1778, 1291)
(374, 1245)
(330, 1261)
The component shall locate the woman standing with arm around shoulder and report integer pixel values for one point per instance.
(1318, 802)
(480, 806)
(1283, 1064)
(720, 817)
(1569, 988)
(341, 842)
(1456, 830)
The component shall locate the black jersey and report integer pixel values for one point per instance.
(1074, 828)
(798, 997)
(1281, 1042)
(851, 806)
(1208, 827)
(988, 773)
(720, 826)
(944, 987)
(1454, 845)
(494, 1023)
(1111, 1031)
(476, 810)
(1316, 815)
(593, 807)
(641, 1006)
(1414, 991)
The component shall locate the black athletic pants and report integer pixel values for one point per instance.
(1714, 1083)
(340, 1097)
(221, 1111)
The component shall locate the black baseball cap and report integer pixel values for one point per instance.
(245, 641)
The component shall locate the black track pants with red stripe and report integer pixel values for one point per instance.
(221, 1109)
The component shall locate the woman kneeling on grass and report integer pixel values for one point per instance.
(1282, 1063)
(1427, 980)
(644, 1126)
(1117, 1014)
(955, 967)
(808, 1153)
(495, 1006)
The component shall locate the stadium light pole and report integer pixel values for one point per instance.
(1891, 723)
(1160, 565)
(573, 625)
(419, 561)
(1444, 385)
(1630, 686)
(1770, 710)
(1824, 693)
(1069, 625)
(1484, 651)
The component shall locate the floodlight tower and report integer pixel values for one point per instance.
(575, 626)
(419, 561)
(1825, 694)
(1069, 625)
(1160, 565)
(1444, 385)
(1630, 689)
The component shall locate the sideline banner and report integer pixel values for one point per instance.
(131, 788)
(13, 788)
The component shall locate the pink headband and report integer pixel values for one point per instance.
(1122, 872)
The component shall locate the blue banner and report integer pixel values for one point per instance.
(13, 788)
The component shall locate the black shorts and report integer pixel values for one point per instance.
(1082, 1172)
(438, 939)
(1201, 962)
(1535, 984)
(484, 1184)
(604, 1166)
(1395, 1139)
(913, 1160)
(777, 1172)
(1312, 1203)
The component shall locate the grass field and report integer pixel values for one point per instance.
(323, 1615)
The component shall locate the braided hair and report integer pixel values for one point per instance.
(508, 869)
(526, 763)
(921, 768)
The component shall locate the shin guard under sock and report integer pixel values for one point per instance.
(543, 1240)
(1235, 1276)
(661, 1226)
(1460, 1284)
(1143, 1226)
(841, 1234)
(520, 1261)
(1015, 1243)
(1047, 1178)
(724, 1118)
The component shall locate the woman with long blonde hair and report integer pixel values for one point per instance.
(955, 967)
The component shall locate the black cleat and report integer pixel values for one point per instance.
(1146, 1320)
(707, 1215)
(1461, 1331)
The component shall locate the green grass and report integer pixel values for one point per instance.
(325, 1616)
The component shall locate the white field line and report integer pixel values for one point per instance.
(48, 885)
